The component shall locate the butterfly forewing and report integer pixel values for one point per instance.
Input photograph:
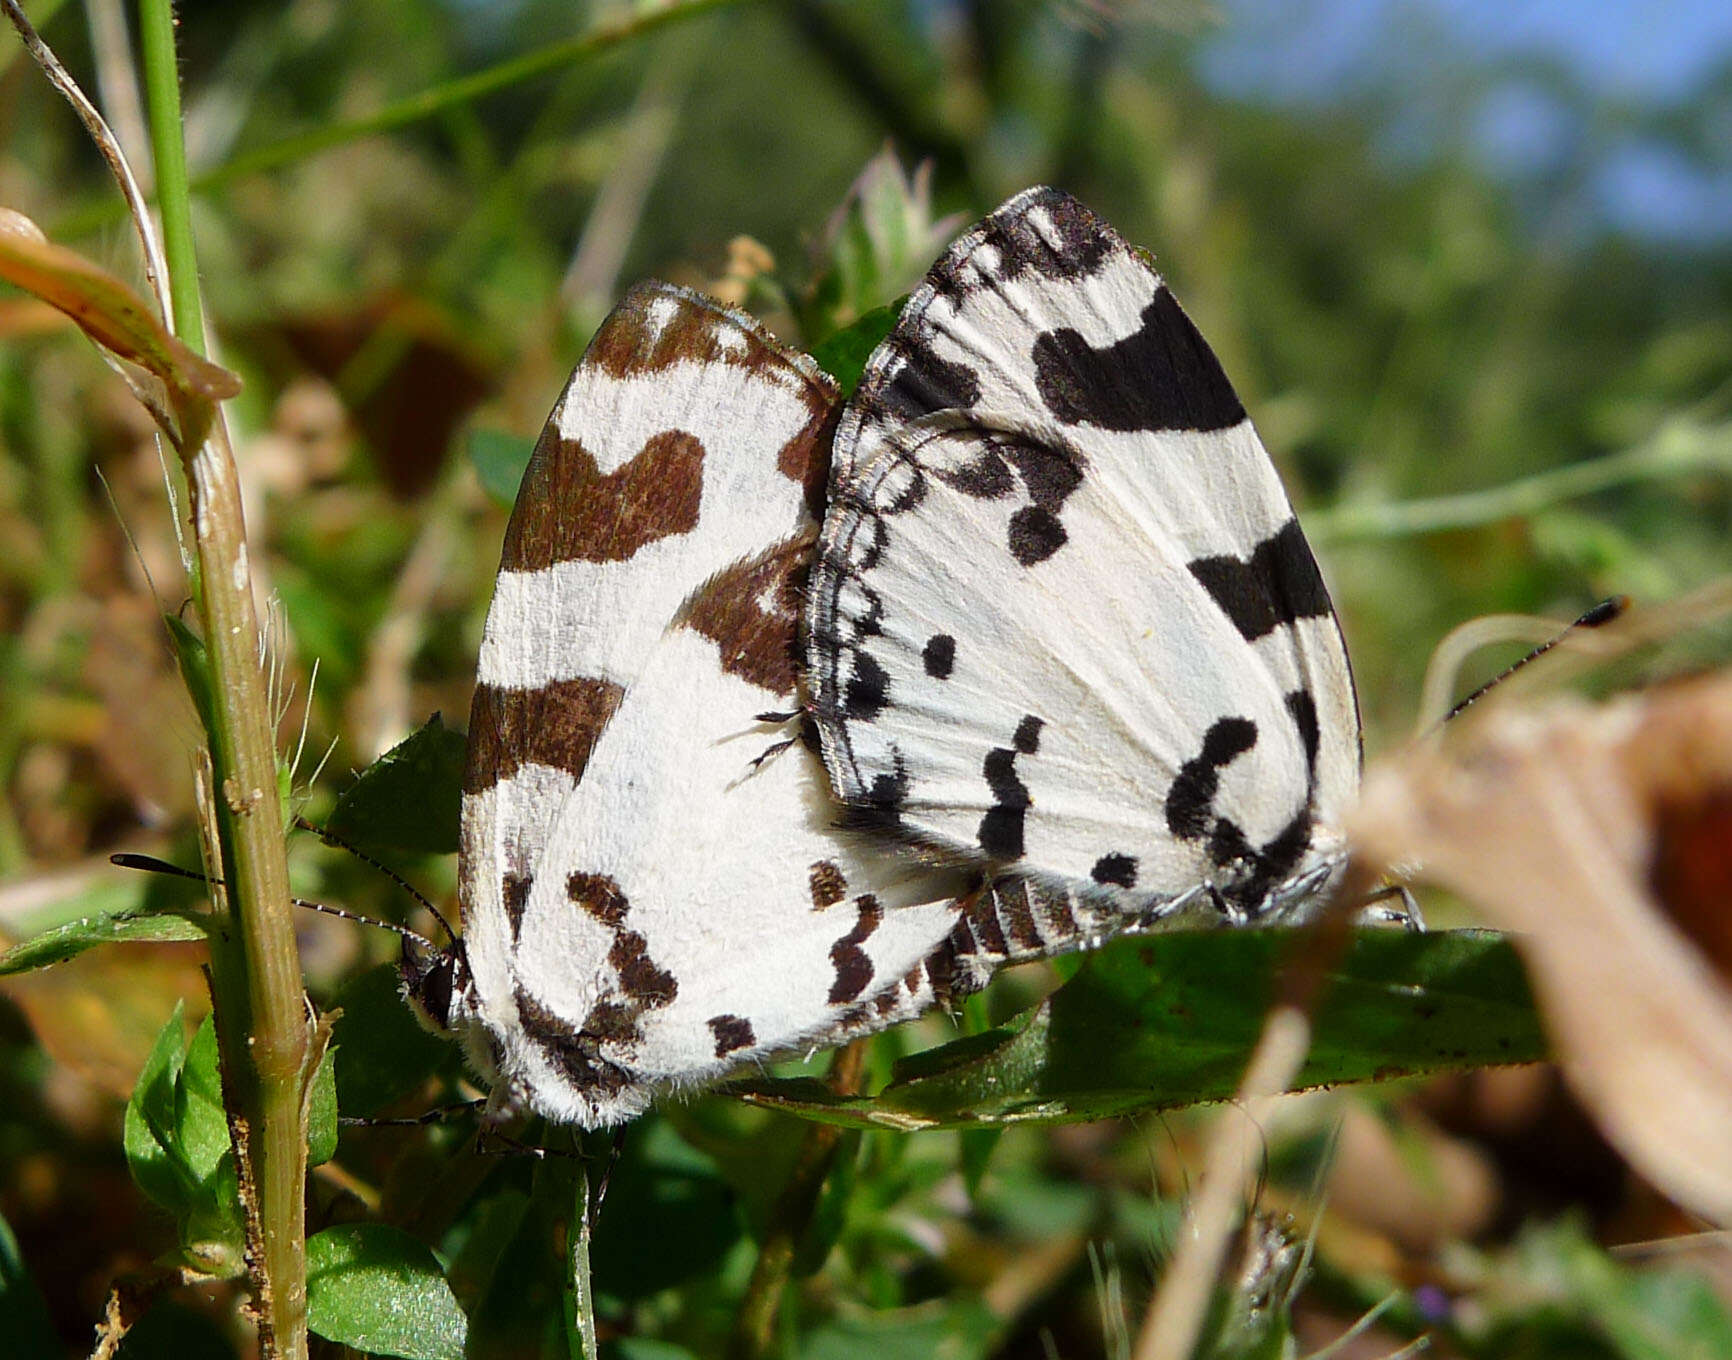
(1062, 618)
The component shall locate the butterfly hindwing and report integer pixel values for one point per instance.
(1063, 621)
(644, 907)
(721, 915)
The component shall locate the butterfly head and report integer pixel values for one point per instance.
(436, 983)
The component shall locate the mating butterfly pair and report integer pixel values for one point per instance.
(1064, 662)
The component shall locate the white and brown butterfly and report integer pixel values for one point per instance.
(1072, 672)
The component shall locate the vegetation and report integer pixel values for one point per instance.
(1484, 396)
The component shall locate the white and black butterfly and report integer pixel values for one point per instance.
(1067, 658)
(1063, 621)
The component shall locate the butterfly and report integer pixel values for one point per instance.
(1063, 663)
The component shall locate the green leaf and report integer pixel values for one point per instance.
(382, 1053)
(71, 938)
(379, 1290)
(1167, 1020)
(843, 355)
(201, 1126)
(322, 1110)
(212, 1234)
(500, 460)
(177, 1146)
(408, 798)
(194, 661)
(150, 1115)
(876, 246)
(24, 1320)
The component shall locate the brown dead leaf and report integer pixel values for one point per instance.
(107, 310)
(1600, 835)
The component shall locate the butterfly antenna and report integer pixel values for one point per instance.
(331, 838)
(150, 864)
(1602, 613)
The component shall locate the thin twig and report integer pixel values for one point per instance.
(262, 1028)
(1175, 1318)
(138, 207)
(755, 1323)
(1680, 447)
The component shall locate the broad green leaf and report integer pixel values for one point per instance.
(212, 1234)
(519, 1312)
(409, 797)
(379, 1290)
(1167, 1020)
(24, 1320)
(148, 1131)
(843, 356)
(71, 938)
(201, 1126)
(500, 460)
(382, 1053)
(177, 1146)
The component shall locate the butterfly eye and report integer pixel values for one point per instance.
(429, 980)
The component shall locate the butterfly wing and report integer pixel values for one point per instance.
(709, 912)
(627, 889)
(1063, 621)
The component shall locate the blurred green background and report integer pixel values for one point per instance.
(1441, 248)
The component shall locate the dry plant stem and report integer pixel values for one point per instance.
(265, 1045)
(1175, 1318)
(379, 712)
(106, 143)
(755, 1325)
(128, 1300)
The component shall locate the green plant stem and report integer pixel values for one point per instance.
(1680, 447)
(265, 1043)
(256, 971)
(582, 1298)
(755, 1323)
(168, 150)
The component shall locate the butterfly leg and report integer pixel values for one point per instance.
(1231, 912)
(1373, 912)
(614, 1148)
(437, 1115)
